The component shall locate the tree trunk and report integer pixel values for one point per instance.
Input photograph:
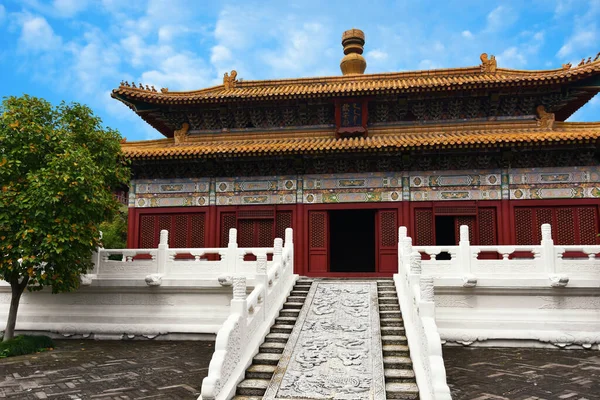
(17, 290)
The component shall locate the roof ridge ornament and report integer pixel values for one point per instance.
(545, 119)
(182, 135)
(488, 65)
(567, 66)
(229, 81)
(353, 62)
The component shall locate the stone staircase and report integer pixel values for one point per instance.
(400, 380)
(259, 374)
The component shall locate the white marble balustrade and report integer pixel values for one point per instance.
(540, 265)
(177, 266)
(250, 319)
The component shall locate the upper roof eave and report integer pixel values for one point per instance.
(410, 81)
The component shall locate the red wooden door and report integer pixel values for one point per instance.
(185, 230)
(387, 240)
(318, 241)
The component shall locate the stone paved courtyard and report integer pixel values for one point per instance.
(79, 369)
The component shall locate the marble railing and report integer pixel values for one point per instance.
(416, 297)
(543, 265)
(182, 266)
(250, 319)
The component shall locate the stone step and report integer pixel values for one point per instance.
(280, 337)
(260, 371)
(303, 283)
(289, 312)
(253, 387)
(282, 328)
(289, 305)
(395, 390)
(391, 322)
(285, 320)
(301, 288)
(399, 375)
(240, 397)
(296, 299)
(274, 347)
(393, 294)
(295, 293)
(390, 313)
(385, 283)
(393, 350)
(266, 359)
(391, 339)
(392, 330)
(388, 300)
(383, 315)
(395, 362)
(389, 307)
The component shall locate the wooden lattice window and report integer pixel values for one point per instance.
(283, 220)
(487, 226)
(185, 229)
(573, 225)
(424, 227)
(228, 221)
(388, 231)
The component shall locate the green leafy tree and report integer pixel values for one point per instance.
(114, 232)
(58, 169)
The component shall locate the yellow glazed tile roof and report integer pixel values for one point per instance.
(488, 134)
(398, 82)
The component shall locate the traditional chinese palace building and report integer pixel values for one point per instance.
(345, 160)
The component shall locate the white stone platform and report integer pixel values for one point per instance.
(334, 350)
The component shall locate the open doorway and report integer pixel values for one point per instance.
(445, 234)
(352, 240)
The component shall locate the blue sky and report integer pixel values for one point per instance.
(79, 50)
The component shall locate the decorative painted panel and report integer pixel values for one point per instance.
(256, 190)
(352, 188)
(555, 183)
(169, 193)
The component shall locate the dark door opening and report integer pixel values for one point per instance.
(352, 240)
(445, 234)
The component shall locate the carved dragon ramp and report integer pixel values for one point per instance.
(334, 350)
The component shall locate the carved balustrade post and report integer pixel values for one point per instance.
(277, 255)
(238, 303)
(163, 249)
(231, 258)
(407, 249)
(427, 300)
(261, 275)
(415, 263)
(464, 258)
(401, 237)
(548, 258)
(289, 243)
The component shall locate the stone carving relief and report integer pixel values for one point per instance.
(335, 350)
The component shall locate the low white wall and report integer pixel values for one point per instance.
(115, 312)
(549, 299)
(525, 316)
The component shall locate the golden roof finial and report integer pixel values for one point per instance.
(230, 81)
(488, 65)
(353, 62)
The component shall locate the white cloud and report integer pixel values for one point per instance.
(512, 57)
(69, 8)
(181, 71)
(376, 55)
(38, 35)
(467, 34)
(500, 18)
(579, 41)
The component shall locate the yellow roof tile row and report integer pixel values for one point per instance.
(442, 79)
(476, 135)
